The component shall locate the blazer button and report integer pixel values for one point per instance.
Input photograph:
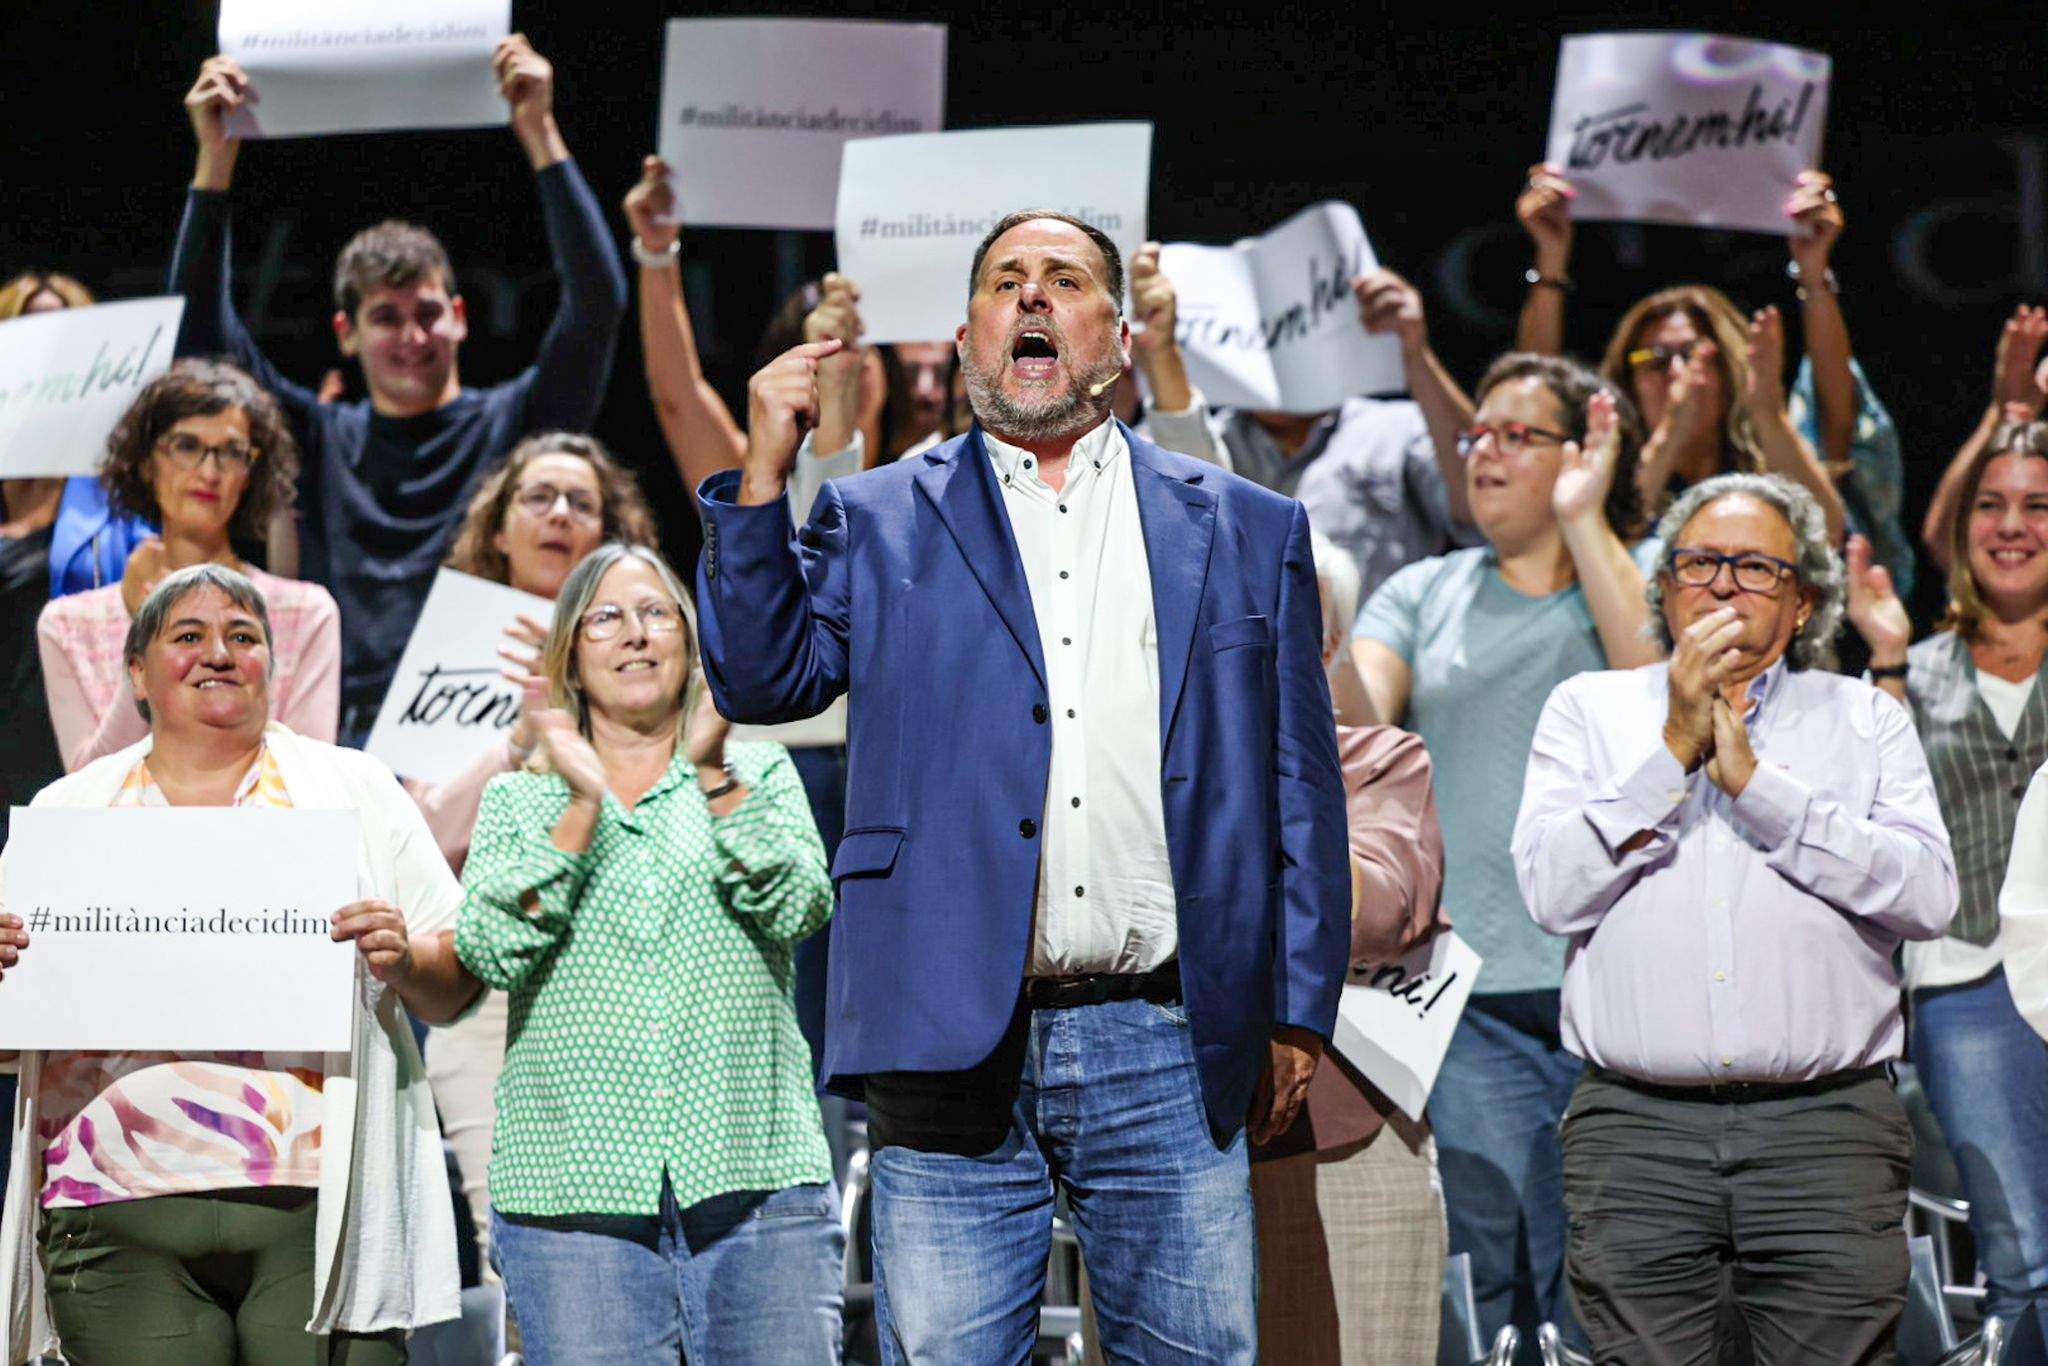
(1038, 712)
(1027, 828)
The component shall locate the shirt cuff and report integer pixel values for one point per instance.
(856, 448)
(1773, 805)
(1648, 799)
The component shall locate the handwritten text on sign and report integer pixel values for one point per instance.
(1687, 128)
(318, 67)
(1271, 323)
(754, 148)
(1395, 1020)
(209, 931)
(447, 703)
(66, 377)
(913, 208)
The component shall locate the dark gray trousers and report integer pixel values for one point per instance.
(1789, 1210)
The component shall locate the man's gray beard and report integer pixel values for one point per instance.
(1071, 415)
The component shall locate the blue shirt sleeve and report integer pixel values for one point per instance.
(575, 360)
(1392, 615)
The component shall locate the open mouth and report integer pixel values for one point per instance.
(1489, 480)
(205, 683)
(2011, 557)
(1034, 355)
(634, 666)
(559, 547)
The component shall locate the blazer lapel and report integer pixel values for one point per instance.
(1178, 515)
(962, 488)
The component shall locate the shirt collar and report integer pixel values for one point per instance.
(1763, 686)
(1097, 449)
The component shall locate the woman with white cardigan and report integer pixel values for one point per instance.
(247, 1206)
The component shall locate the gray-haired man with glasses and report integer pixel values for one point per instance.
(1735, 842)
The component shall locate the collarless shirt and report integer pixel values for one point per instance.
(1719, 939)
(1105, 886)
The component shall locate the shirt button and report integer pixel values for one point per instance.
(1077, 801)
(1027, 828)
(2012, 752)
(1720, 976)
(1064, 574)
(1063, 507)
(1727, 1061)
(1070, 713)
(1066, 640)
(1038, 712)
(1078, 891)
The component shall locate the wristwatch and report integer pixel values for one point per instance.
(1536, 277)
(712, 794)
(656, 260)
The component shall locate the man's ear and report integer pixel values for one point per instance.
(1123, 338)
(460, 312)
(960, 342)
(345, 334)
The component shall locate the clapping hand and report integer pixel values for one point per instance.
(2017, 376)
(1587, 469)
(1766, 391)
(1700, 665)
(1874, 607)
(522, 662)
(1815, 207)
(568, 752)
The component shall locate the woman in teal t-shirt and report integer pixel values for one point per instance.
(1464, 649)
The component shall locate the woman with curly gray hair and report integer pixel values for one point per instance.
(1731, 978)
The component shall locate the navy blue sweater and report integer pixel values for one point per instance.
(381, 498)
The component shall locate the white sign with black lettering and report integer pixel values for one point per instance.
(180, 928)
(67, 375)
(371, 65)
(1396, 1019)
(1688, 128)
(754, 112)
(913, 208)
(448, 702)
(1271, 323)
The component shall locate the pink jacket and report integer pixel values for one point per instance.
(93, 709)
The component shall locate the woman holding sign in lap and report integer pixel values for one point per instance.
(204, 454)
(660, 1182)
(251, 1206)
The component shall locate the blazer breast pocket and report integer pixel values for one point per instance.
(1229, 635)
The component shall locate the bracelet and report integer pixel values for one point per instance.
(657, 260)
(712, 794)
(1798, 278)
(1536, 279)
(1883, 671)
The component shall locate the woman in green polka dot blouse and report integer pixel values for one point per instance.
(659, 1179)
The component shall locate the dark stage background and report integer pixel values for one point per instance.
(1425, 121)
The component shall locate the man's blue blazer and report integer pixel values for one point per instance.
(905, 591)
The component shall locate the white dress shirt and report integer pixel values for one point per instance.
(1739, 939)
(1105, 885)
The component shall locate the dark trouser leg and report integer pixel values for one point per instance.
(1650, 1238)
(1819, 1201)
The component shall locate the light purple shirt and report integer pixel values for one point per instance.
(1748, 939)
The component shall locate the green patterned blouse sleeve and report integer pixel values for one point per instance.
(774, 872)
(519, 891)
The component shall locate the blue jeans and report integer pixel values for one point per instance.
(1107, 1106)
(1496, 1109)
(752, 1278)
(1986, 1077)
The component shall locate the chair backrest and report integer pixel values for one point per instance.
(1926, 1331)
(1459, 1343)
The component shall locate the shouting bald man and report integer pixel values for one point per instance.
(1093, 897)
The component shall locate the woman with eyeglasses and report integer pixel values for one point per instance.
(1709, 381)
(557, 497)
(1978, 694)
(660, 1183)
(1464, 649)
(204, 454)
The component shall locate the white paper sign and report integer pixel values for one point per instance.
(1687, 128)
(447, 704)
(67, 375)
(187, 928)
(754, 111)
(1395, 1021)
(1271, 323)
(912, 209)
(370, 65)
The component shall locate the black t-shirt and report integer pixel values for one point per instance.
(29, 761)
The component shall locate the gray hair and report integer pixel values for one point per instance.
(1819, 567)
(578, 592)
(171, 589)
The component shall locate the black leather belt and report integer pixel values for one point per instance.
(1161, 986)
(1748, 1092)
